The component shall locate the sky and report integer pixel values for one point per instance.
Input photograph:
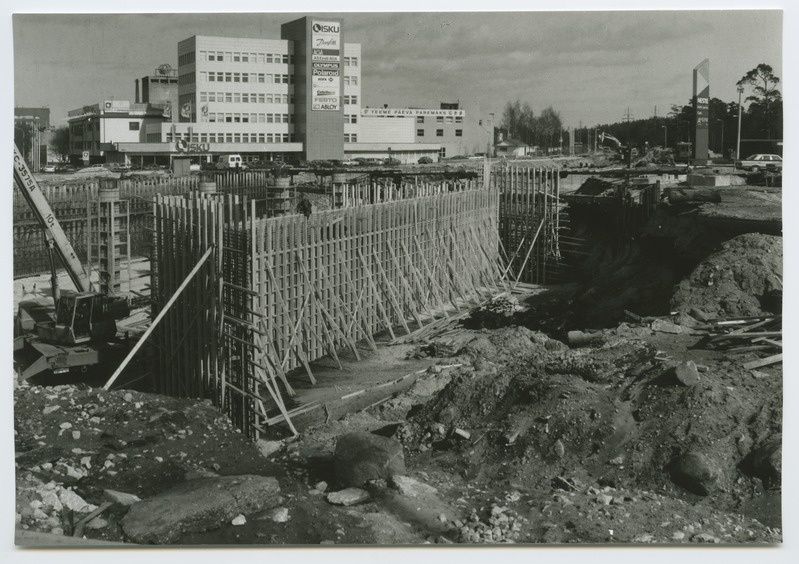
(590, 66)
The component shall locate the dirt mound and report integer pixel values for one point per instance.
(613, 416)
(738, 280)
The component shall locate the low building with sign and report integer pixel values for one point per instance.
(97, 129)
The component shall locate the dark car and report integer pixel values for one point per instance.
(425, 160)
(391, 161)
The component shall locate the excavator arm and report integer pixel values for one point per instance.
(56, 238)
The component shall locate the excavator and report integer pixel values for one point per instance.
(78, 330)
(626, 153)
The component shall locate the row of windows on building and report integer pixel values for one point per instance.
(229, 137)
(248, 118)
(350, 137)
(186, 58)
(248, 57)
(439, 133)
(442, 119)
(246, 98)
(260, 77)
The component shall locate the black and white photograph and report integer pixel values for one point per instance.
(476, 276)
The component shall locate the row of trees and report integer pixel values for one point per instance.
(761, 119)
(519, 122)
(24, 132)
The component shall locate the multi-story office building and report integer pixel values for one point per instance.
(295, 98)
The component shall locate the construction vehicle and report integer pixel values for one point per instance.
(78, 329)
(626, 153)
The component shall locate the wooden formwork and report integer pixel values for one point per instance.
(361, 194)
(282, 292)
(529, 221)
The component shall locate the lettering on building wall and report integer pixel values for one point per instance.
(409, 112)
(183, 146)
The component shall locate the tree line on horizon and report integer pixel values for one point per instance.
(762, 119)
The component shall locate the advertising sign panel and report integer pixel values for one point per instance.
(326, 70)
(326, 93)
(702, 109)
(116, 106)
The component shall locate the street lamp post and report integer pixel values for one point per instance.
(490, 148)
(738, 144)
(665, 136)
(721, 121)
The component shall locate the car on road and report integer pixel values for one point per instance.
(350, 162)
(49, 168)
(425, 160)
(760, 161)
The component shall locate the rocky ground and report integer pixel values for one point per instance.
(527, 441)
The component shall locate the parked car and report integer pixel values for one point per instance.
(49, 168)
(350, 162)
(65, 168)
(425, 160)
(391, 161)
(759, 162)
(94, 169)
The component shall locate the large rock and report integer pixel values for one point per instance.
(361, 457)
(198, 505)
(348, 496)
(765, 462)
(695, 472)
(687, 373)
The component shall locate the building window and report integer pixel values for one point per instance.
(449, 119)
(439, 133)
(354, 80)
(420, 133)
(442, 153)
(458, 133)
(285, 138)
(419, 119)
(261, 138)
(285, 59)
(458, 119)
(236, 57)
(439, 119)
(133, 125)
(237, 97)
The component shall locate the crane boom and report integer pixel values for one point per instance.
(56, 238)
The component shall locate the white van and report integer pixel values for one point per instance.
(230, 161)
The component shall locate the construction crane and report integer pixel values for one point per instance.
(81, 332)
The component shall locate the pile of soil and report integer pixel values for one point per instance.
(743, 278)
(612, 416)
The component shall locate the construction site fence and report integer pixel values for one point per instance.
(278, 293)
